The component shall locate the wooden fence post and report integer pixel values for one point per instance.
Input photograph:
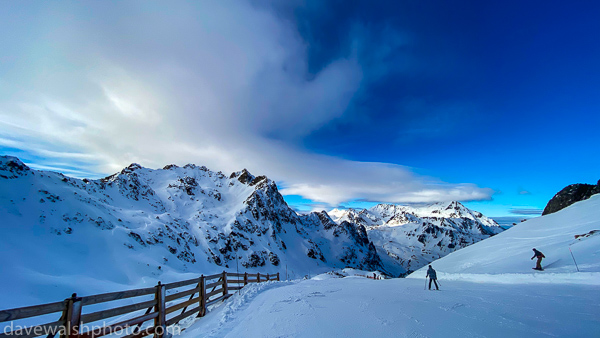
(160, 321)
(225, 289)
(278, 276)
(62, 331)
(245, 278)
(258, 277)
(202, 284)
(73, 317)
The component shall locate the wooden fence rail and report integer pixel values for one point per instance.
(162, 310)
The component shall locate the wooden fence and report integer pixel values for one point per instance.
(167, 305)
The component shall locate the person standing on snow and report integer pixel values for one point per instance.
(432, 277)
(539, 255)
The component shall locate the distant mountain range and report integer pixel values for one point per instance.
(142, 224)
(411, 237)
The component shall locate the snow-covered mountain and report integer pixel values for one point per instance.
(410, 237)
(61, 235)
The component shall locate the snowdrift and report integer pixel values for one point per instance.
(505, 258)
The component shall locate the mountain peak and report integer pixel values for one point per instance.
(11, 167)
(131, 168)
(244, 176)
(454, 205)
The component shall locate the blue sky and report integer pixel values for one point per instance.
(342, 102)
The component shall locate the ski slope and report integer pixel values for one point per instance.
(360, 307)
(505, 258)
(487, 290)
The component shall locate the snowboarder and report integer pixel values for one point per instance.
(539, 256)
(432, 277)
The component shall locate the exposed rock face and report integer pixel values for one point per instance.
(571, 194)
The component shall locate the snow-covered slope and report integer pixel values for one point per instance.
(488, 289)
(360, 307)
(62, 235)
(506, 256)
(410, 237)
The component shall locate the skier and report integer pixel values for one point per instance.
(432, 277)
(539, 255)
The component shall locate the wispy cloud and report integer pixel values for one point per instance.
(225, 85)
(524, 192)
(526, 211)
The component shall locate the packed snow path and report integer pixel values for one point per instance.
(359, 307)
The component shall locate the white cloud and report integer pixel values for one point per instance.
(224, 86)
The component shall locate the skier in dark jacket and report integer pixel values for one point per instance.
(432, 277)
(539, 256)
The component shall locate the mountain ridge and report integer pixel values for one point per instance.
(411, 237)
(141, 225)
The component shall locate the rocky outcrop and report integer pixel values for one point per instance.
(12, 167)
(569, 195)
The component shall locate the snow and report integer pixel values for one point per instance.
(61, 235)
(506, 256)
(350, 272)
(487, 290)
(130, 230)
(409, 237)
(360, 307)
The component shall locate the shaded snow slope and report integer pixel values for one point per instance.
(506, 256)
(360, 307)
(61, 235)
(411, 237)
